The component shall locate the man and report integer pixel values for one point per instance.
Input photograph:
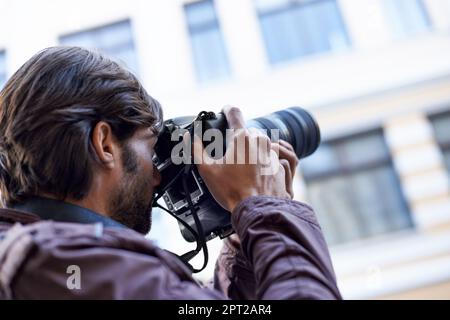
(77, 137)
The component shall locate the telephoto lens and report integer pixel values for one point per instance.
(295, 125)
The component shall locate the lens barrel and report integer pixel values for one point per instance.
(295, 125)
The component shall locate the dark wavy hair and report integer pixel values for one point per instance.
(48, 110)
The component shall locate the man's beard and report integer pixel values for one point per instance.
(130, 204)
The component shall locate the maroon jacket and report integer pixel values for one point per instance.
(283, 255)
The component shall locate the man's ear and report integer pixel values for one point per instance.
(105, 145)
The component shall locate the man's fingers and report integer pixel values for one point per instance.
(234, 117)
(287, 145)
(288, 176)
(286, 154)
(290, 156)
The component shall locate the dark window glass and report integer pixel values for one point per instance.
(114, 40)
(296, 28)
(441, 124)
(208, 48)
(354, 189)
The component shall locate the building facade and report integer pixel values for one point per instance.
(375, 73)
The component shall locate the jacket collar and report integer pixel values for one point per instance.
(49, 209)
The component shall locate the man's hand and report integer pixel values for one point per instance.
(232, 183)
(289, 161)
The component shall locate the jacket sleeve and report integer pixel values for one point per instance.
(282, 255)
(233, 274)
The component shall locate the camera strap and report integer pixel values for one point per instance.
(200, 236)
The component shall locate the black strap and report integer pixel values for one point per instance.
(49, 209)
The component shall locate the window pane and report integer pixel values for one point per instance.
(406, 17)
(441, 125)
(115, 40)
(378, 200)
(363, 150)
(208, 49)
(447, 159)
(268, 5)
(2, 69)
(333, 204)
(324, 160)
(200, 13)
(83, 39)
(355, 201)
(209, 55)
(301, 28)
(281, 36)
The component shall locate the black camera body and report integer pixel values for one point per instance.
(182, 188)
(215, 220)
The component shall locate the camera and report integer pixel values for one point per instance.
(184, 192)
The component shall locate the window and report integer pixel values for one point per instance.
(114, 40)
(2, 69)
(208, 49)
(297, 28)
(406, 17)
(352, 185)
(441, 124)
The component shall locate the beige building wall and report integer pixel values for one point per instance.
(416, 262)
(439, 291)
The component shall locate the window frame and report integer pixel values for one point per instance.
(293, 5)
(198, 29)
(443, 146)
(116, 47)
(405, 35)
(346, 171)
